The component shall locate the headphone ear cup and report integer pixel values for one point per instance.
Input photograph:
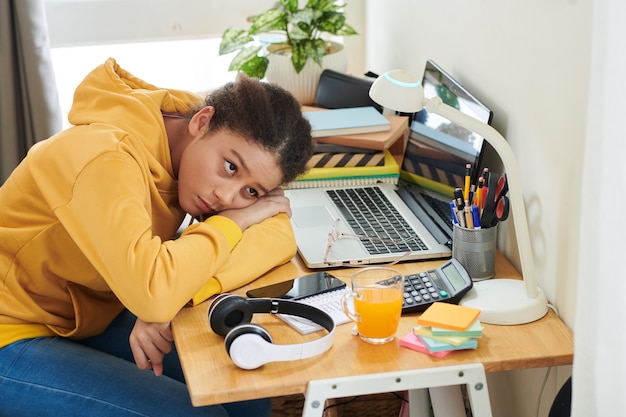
(250, 328)
(247, 345)
(228, 311)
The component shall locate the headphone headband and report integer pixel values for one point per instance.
(294, 308)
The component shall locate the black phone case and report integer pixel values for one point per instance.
(339, 90)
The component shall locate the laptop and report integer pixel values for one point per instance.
(382, 223)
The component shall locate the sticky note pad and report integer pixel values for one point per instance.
(437, 346)
(474, 330)
(428, 332)
(412, 341)
(448, 316)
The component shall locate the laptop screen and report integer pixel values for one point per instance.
(438, 150)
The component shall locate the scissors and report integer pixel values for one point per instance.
(496, 202)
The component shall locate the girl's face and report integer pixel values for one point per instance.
(224, 171)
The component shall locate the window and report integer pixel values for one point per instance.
(192, 65)
(171, 44)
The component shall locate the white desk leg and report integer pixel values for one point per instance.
(447, 401)
(473, 376)
(419, 403)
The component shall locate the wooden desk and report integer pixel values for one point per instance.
(212, 378)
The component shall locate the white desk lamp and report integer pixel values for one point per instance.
(504, 301)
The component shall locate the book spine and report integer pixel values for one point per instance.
(342, 182)
(346, 159)
(390, 167)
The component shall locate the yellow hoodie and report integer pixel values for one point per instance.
(87, 221)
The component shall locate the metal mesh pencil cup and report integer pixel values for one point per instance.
(475, 249)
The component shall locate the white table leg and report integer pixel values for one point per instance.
(472, 375)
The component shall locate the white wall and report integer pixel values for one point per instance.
(530, 62)
(92, 22)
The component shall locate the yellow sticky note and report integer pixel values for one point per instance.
(449, 316)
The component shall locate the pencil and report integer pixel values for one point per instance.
(466, 190)
(469, 218)
(478, 198)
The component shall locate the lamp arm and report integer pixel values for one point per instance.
(504, 151)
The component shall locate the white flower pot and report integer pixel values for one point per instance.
(304, 85)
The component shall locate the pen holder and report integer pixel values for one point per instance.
(475, 249)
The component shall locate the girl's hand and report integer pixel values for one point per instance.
(267, 206)
(150, 342)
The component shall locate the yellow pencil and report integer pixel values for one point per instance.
(478, 197)
(466, 190)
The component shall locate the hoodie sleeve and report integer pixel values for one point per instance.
(262, 247)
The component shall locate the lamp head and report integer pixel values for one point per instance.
(398, 90)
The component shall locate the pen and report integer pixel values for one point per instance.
(458, 198)
(476, 217)
(453, 212)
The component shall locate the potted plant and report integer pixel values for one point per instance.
(298, 37)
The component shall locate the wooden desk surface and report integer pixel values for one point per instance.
(212, 378)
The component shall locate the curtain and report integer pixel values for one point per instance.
(29, 104)
(599, 371)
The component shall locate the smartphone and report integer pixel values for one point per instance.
(301, 287)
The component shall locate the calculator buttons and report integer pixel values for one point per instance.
(422, 289)
(447, 283)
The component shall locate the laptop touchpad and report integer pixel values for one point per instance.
(312, 216)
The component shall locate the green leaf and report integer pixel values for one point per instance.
(256, 67)
(233, 39)
(317, 50)
(346, 30)
(269, 20)
(246, 54)
(290, 6)
(310, 48)
(300, 31)
(331, 22)
(324, 5)
(305, 15)
(302, 24)
(298, 57)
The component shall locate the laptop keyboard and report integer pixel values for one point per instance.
(369, 213)
(441, 208)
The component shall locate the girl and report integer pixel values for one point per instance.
(92, 269)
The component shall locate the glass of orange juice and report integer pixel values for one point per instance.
(375, 303)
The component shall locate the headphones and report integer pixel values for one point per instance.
(250, 345)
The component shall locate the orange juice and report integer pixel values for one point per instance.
(379, 311)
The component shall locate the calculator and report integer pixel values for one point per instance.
(447, 283)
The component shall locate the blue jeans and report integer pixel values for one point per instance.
(54, 376)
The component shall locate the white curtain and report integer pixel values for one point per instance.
(29, 104)
(599, 371)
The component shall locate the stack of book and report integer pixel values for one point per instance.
(444, 328)
(355, 146)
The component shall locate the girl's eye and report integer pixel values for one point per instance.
(252, 192)
(230, 167)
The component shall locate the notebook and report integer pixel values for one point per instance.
(397, 221)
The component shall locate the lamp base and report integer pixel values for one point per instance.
(505, 302)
